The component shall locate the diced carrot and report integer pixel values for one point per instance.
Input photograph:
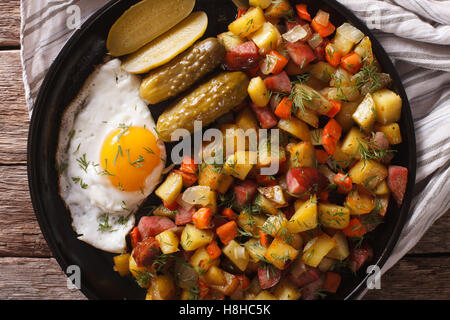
(344, 183)
(244, 281)
(227, 232)
(203, 289)
(135, 236)
(355, 229)
(229, 213)
(188, 178)
(321, 30)
(263, 239)
(302, 11)
(332, 282)
(332, 55)
(188, 165)
(274, 62)
(283, 109)
(323, 195)
(321, 156)
(241, 12)
(352, 62)
(213, 250)
(329, 143)
(278, 9)
(171, 206)
(333, 129)
(337, 105)
(202, 218)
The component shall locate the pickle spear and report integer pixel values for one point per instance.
(206, 103)
(182, 72)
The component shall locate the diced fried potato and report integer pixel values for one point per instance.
(308, 116)
(258, 92)
(391, 131)
(122, 264)
(250, 222)
(349, 93)
(214, 178)
(168, 242)
(279, 252)
(255, 249)
(137, 271)
(359, 202)
(351, 142)
(201, 260)
(215, 276)
(162, 211)
(316, 249)
(268, 156)
(369, 173)
(365, 114)
(317, 137)
(230, 40)
(234, 138)
(322, 71)
(266, 205)
(364, 49)
(341, 78)
(296, 127)
(193, 238)
(388, 106)
(326, 264)
(239, 164)
(265, 295)
(232, 282)
(298, 203)
(346, 37)
(341, 251)
(250, 22)
(162, 287)
(341, 158)
(286, 291)
(246, 120)
(305, 217)
(312, 99)
(382, 189)
(237, 254)
(295, 240)
(275, 225)
(344, 117)
(279, 9)
(274, 194)
(263, 4)
(169, 190)
(333, 216)
(302, 154)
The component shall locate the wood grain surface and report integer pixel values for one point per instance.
(27, 269)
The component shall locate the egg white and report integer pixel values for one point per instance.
(102, 215)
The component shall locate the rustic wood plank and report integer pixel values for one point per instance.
(14, 119)
(34, 278)
(20, 234)
(10, 23)
(415, 278)
(436, 239)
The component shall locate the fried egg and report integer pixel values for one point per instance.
(109, 156)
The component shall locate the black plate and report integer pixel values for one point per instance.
(76, 61)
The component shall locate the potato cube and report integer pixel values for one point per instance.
(169, 190)
(316, 249)
(213, 177)
(369, 173)
(286, 291)
(341, 251)
(326, 264)
(298, 203)
(162, 287)
(215, 276)
(322, 71)
(333, 216)
(266, 205)
(250, 22)
(342, 159)
(122, 264)
(162, 211)
(142, 274)
(346, 37)
(364, 49)
(279, 9)
(382, 189)
(255, 249)
(312, 99)
(268, 156)
(305, 217)
(263, 4)
(239, 164)
(365, 114)
(193, 238)
(344, 117)
(168, 242)
(246, 120)
(250, 222)
(275, 225)
(233, 139)
(388, 106)
(308, 116)
(232, 282)
(351, 142)
(265, 295)
(266, 38)
(317, 137)
(237, 254)
(274, 194)
(230, 40)
(296, 127)
(302, 155)
(258, 92)
(201, 260)
(279, 253)
(391, 131)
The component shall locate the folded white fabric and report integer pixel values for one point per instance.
(415, 34)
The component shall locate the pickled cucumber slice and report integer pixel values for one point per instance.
(208, 102)
(167, 46)
(144, 22)
(183, 71)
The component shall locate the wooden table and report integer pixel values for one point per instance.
(27, 268)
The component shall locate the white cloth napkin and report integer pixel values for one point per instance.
(415, 34)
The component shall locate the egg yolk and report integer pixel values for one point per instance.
(128, 157)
